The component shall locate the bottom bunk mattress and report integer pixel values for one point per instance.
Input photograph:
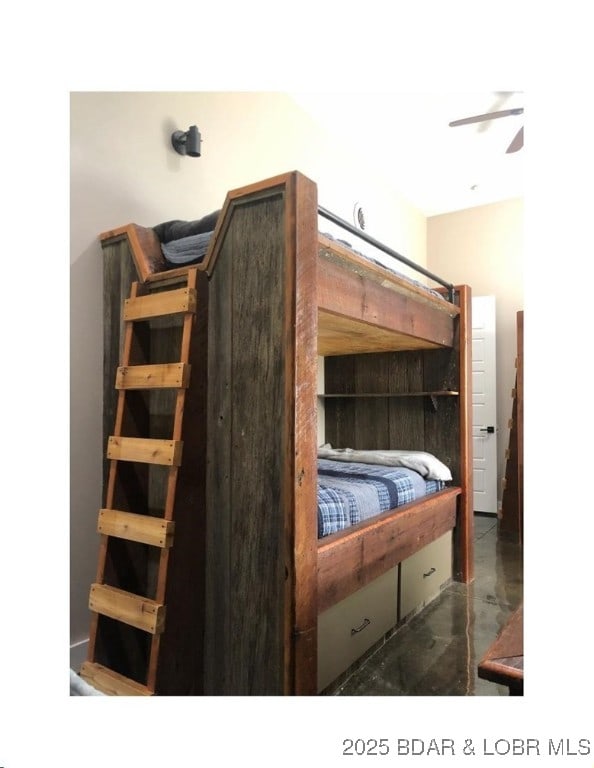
(352, 492)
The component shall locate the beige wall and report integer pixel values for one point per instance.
(483, 247)
(123, 169)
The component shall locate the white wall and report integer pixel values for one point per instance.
(483, 247)
(123, 169)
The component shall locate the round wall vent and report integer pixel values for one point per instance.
(359, 216)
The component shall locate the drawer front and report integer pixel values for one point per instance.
(423, 574)
(352, 626)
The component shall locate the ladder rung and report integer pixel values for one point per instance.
(135, 610)
(160, 376)
(111, 683)
(146, 450)
(142, 528)
(159, 304)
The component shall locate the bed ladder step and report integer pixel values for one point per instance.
(111, 683)
(145, 450)
(143, 529)
(172, 375)
(134, 610)
(160, 304)
(125, 567)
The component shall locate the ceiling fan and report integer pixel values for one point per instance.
(518, 140)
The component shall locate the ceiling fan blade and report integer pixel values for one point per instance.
(517, 142)
(487, 116)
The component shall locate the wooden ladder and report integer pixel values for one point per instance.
(144, 613)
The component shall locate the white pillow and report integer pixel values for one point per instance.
(426, 464)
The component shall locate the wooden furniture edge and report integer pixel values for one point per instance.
(506, 645)
(336, 252)
(145, 249)
(464, 551)
(396, 534)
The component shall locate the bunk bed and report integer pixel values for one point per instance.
(251, 575)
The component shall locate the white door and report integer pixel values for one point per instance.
(484, 404)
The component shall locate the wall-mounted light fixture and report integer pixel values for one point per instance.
(187, 142)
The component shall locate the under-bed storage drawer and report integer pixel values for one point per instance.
(423, 574)
(349, 628)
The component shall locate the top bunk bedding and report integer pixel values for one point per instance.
(365, 304)
(186, 243)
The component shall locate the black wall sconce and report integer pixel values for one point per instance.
(187, 142)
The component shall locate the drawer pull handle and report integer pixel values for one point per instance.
(432, 570)
(366, 623)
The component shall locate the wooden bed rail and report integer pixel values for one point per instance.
(351, 559)
(386, 249)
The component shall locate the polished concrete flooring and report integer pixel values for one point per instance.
(437, 652)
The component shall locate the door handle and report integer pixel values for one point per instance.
(490, 430)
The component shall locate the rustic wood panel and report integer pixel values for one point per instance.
(442, 432)
(464, 535)
(347, 296)
(122, 648)
(118, 275)
(252, 496)
(406, 422)
(181, 655)
(347, 562)
(219, 595)
(146, 256)
(262, 452)
(333, 251)
(301, 526)
(342, 336)
(375, 423)
(257, 524)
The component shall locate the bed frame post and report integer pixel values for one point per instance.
(261, 585)
(464, 536)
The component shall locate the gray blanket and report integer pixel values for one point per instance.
(176, 229)
(187, 250)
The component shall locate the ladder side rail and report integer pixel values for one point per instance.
(161, 589)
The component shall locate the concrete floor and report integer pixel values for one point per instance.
(437, 652)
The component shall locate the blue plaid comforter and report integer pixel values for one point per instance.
(349, 493)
